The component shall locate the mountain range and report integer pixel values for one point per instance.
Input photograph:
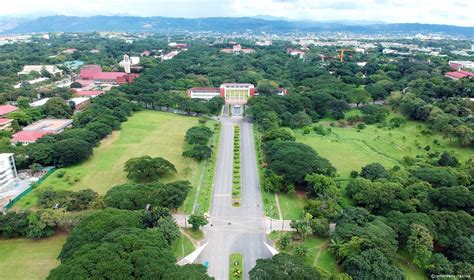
(219, 24)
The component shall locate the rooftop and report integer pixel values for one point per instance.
(79, 100)
(89, 92)
(204, 89)
(40, 102)
(48, 125)
(109, 75)
(4, 121)
(28, 136)
(5, 109)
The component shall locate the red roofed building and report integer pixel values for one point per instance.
(294, 52)
(181, 46)
(94, 73)
(236, 49)
(5, 123)
(5, 109)
(456, 75)
(27, 137)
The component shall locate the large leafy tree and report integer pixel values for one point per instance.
(132, 196)
(147, 169)
(295, 160)
(198, 152)
(57, 107)
(373, 171)
(283, 266)
(121, 253)
(371, 265)
(197, 220)
(198, 135)
(96, 225)
(71, 151)
(420, 245)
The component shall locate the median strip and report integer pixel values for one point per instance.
(236, 188)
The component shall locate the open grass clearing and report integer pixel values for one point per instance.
(182, 247)
(291, 206)
(349, 148)
(318, 254)
(145, 133)
(197, 235)
(28, 259)
(411, 271)
(205, 194)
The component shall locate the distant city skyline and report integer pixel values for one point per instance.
(457, 12)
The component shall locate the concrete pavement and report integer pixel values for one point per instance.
(235, 229)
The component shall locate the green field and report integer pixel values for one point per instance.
(349, 148)
(182, 247)
(318, 255)
(207, 169)
(29, 259)
(145, 133)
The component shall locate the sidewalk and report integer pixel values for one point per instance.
(278, 225)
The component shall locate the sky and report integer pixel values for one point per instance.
(454, 12)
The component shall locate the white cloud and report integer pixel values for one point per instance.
(457, 12)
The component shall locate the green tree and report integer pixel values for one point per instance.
(374, 171)
(57, 107)
(147, 169)
(295, 160)
(70, 151)
(197, 220)
(420, 245)
(168, 227)
(199, 135)
(371, 265)
(198, 152)
(121, 253)
(321, 186)
(283, 266)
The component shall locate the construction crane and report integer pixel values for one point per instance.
(341, 54)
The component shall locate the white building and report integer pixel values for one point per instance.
(7, 170)
(203, 92)
(52, 69)
(40, 102)
(264, 43)
(237, 93)
(32, 82)
(461, 64)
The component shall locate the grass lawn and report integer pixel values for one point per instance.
(291, 206)
(318, 255)
(23, 258)
(195, 234)
(182, 247)
(411, 271)
(206, 168)
(236, 266)
(350, 149)
(145, 133)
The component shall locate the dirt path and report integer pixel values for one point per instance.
(280, 215)
(194, 241)
(322, 248)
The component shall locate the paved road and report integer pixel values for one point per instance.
(235, 229)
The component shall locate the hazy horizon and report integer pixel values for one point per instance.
(388, 11)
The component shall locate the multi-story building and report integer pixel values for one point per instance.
(233, 93)
(7, 170)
